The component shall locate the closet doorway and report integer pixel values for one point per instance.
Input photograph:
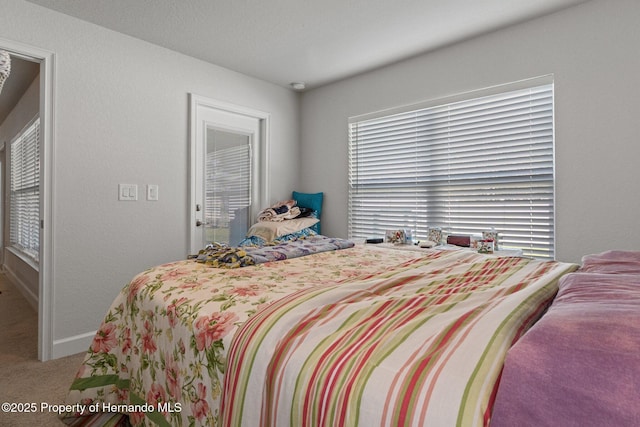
(31, 274)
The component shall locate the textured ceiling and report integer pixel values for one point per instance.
(315, 42)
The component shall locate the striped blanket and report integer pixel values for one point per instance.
(423, 345)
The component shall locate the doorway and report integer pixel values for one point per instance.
(42, 294)
(229, 146)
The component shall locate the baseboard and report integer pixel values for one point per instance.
(72, 345)
(62, 347)
(22, 287)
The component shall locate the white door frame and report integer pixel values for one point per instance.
(196, 102)
(47, 126)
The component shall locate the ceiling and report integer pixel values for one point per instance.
(315, 42)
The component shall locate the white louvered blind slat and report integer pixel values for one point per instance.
(465, 166)
(25, 190)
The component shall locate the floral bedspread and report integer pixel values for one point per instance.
(160, 355)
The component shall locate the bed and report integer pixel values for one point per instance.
(359, 335)
(580, 364)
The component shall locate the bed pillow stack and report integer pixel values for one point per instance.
(269, 231)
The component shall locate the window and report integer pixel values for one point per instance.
(466, 165)
(227, 186)
(25, 190)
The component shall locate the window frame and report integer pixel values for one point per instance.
(540, 243)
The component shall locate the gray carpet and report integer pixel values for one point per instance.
(24, 379)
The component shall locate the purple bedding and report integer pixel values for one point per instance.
(580, 364)
(222, 256)
(614, 262)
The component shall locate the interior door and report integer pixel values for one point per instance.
(227, 165)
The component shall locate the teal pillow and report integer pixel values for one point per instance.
(311, 201)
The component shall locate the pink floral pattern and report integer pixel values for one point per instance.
(200, 406)
(213, 328)
(165, 337)
(105, 338)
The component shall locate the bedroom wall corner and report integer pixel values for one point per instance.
(122, 117)
(589, 48)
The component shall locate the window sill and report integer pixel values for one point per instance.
(24, 258)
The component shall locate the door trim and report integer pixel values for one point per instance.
(196, 102)
(46, 285)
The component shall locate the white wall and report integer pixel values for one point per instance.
(21, 114)
(121, 117)
(594, 52)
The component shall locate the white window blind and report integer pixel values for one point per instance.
(464, 166)
(228, 185)
(25, 190)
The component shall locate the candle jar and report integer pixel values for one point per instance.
(486, 246)
(434, 234)
(491, 235)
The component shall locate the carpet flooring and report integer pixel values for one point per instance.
(23, 378)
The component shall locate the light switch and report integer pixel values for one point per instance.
(152, 192)
(128, 192)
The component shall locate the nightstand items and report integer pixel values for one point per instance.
(374, 240)
(491, 235)
(459, 240)
(486, 243)
(434, 234)
(485, 246)
(426, 244)
(398, 237)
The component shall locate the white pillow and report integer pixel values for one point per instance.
(270, 230)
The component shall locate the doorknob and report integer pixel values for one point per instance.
(198, 223)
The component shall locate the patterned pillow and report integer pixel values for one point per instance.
(270, 230)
